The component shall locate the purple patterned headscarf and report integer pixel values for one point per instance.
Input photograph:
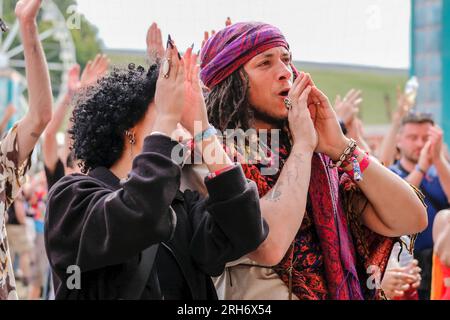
(234, 46)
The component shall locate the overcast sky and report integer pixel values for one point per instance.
(363, 32)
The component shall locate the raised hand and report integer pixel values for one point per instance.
(194, 116)
(155, 48)
(205, 38)
(73, 82)
(332, 140)
(348, 108)
(27, 10)
(403, 106)
(300, 122)
(170, 92)
(40, 98)
(194, 108)
(94, 70)
(435, 137)
(425, 159)
(213, 32)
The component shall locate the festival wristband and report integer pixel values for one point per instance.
(356, 173)
(209, 132)
(355, 154)
(218, 172)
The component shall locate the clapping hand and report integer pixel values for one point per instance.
(348, 108)
(194, 108)
(155, 48)
(94, 70)
(213, 32)
(332, 141)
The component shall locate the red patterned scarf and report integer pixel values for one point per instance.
(347, 248)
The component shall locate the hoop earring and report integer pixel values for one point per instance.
(132, 140)
(131, 137)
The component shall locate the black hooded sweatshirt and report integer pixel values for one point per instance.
(102, 226)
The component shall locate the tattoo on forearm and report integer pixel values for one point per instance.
(292, 175)
(275, 194)
(35, 135)
(298, 157)
(293, 172)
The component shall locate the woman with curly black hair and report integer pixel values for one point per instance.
(124, 230)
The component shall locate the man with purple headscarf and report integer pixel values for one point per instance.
(330, 234)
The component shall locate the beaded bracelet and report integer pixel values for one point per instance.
(345, 156)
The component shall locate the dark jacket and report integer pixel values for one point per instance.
(102, 225)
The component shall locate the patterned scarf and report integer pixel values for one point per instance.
(348, 249)
(330, 223)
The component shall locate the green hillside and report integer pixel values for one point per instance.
(122, 60)
(376, 87)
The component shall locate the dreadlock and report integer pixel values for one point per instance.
(228, 106)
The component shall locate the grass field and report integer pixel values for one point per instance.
(377, 85)
(377, 89)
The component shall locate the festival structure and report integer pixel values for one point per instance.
(430, 58)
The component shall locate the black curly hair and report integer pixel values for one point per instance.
(105, 111)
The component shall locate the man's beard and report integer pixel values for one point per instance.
(263, 116)
(410, 158)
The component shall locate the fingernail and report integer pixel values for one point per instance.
(192, 46)
(3, 26)
(169, 42)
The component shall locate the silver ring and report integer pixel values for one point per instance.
(166, 68)
(288, 103)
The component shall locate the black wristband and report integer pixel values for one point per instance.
(343, 127)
